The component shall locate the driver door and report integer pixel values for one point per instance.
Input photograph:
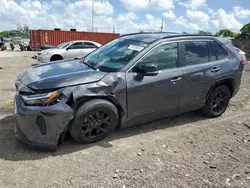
(156, 96)
(75, 50)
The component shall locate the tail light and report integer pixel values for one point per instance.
(244, 62)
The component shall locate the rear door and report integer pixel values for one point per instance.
(200, 71)
(89, 47)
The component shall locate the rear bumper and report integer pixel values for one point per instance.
(40, 127)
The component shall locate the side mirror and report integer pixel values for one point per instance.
(146, 70)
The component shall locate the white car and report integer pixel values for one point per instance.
(17, 40)
(72, 49)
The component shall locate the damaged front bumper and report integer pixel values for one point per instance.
(40, 127)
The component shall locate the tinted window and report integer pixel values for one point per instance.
(212, 54)
(89, 45)
(196, 52)
(64, 45)
(221, 53)
(77, 45)
(164, 56)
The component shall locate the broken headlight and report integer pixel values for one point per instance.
(42, 99)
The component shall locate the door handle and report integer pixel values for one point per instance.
(215, 69)
(174, 80)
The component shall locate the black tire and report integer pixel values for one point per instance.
(93, 121)
(56, 58)
(217, 102)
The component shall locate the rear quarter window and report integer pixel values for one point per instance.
(219, 50)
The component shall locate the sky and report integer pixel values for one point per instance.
(126, 16)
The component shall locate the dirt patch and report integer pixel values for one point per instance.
(185, 151)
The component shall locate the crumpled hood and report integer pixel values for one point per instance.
(59, 74)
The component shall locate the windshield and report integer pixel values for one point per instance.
(115, 55)
(64, 45)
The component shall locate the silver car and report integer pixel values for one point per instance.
(68, 50)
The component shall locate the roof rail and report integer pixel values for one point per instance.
(190, 35)
(149, 33)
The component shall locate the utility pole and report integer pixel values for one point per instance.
(162, 23)
(92, 16)
(114, 29)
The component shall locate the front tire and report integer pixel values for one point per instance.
(217, 102)
(93, 121)
(56, 58)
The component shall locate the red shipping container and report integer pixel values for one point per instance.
(53, 37)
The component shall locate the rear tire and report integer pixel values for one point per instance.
(93, 121)
(56, 58)
(217, 102)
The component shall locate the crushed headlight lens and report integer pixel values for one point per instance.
(41, 99)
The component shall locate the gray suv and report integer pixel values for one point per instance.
(131, 80)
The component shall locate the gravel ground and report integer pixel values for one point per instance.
(185, 151)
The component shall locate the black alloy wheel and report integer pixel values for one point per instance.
(217, 102)
(220, 102)
(96, 123)
(93, 121)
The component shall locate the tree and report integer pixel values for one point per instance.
(226, 33)
(237, 35)
(26, 30)
(245, 31)
(4, 34)
(23, 30)
(201, 32)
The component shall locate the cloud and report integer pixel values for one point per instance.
(186, 24)
(193, 4)
(75, 15)
(127, 25)
(169, 15)
(39, 15)
(148, 4)
(193, 20)
(58, 3)
(240, 12)
(222, 20)
(197, 16)
(127, 17)
(216, 24)
(100, 7)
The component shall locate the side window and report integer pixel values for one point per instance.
(164, 56)
(212, 54)
(196, 52)
(89, 45)
(221, 53)
(77, 45)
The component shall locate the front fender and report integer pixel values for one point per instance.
(112, 88)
